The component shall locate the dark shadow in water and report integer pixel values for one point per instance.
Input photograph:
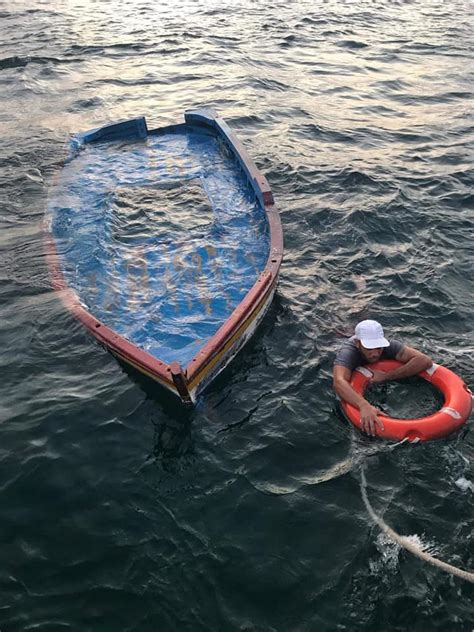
(173, 440)
(172, 422)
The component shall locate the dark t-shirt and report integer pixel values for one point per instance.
(350, 356)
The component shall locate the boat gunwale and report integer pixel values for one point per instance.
(195, 372)
(200, 364)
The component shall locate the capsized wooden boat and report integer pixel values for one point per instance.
(166, 244)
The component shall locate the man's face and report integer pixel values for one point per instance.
(371, 355)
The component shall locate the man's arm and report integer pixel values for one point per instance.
(368, 413)
(413, 362)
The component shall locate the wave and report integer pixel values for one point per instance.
(20, 62)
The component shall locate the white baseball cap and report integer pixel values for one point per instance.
(370, 334)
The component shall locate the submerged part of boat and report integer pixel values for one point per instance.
(166, 244)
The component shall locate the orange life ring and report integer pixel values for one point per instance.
(455, 411)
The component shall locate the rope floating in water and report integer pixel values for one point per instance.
(408, 544)
(344, 467)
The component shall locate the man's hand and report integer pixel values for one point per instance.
(369, 419)
(368, 413)
(378, 376)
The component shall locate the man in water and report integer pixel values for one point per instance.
(366, 346)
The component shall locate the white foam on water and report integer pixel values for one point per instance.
(416, 541)
(464, 484)
(389, 552)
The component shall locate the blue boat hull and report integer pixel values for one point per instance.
(166, 244)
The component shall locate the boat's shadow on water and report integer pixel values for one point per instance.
(172, 421)
(173, 442)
